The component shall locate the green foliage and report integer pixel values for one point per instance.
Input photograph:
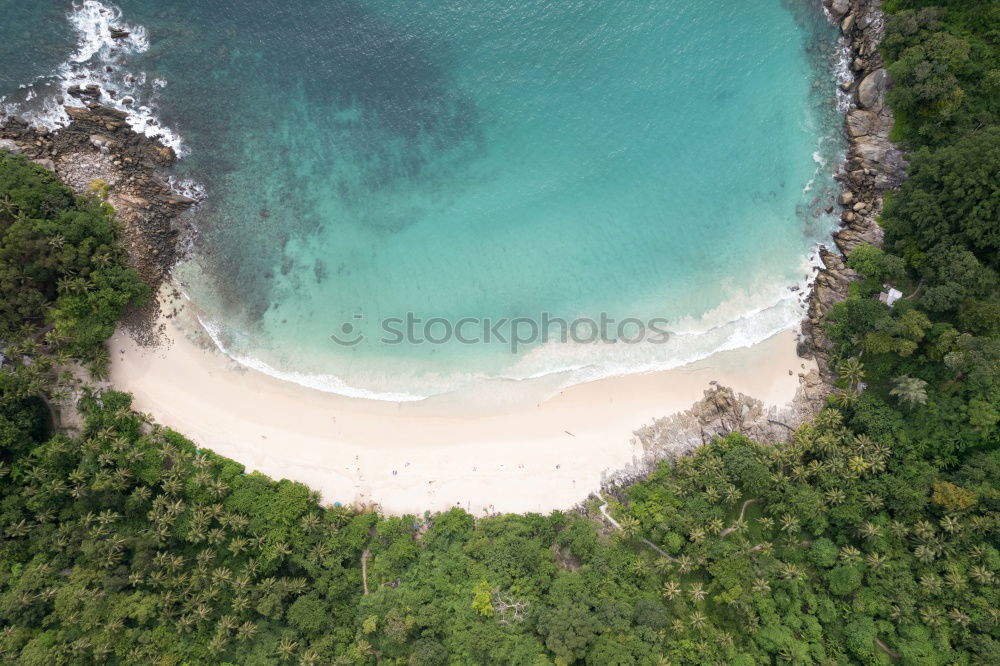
(945, 66)
(871, 537)
(60, 262)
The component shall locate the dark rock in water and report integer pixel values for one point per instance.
(91, 90)
(118, 33)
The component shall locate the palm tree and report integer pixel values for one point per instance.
(844, 398)
(761, 586)
(8, 205)
(924, 554)
(696, 592)
(792, 572)
(898, 528)
(697, 620)
(850, 554)
(319, 552)
(910, 390)
(789, 523)
(870, 530)
(923, 529)
(931, 615)
(872, 501)
(286, 648)
(309, 658)
(309, 522)
(959, 616)
(184, 623)
(629, 525)
(246, 631)
(950, 524)
(955, 580)
(217, 644)
(240, 603)
(671, 589)
(931, 584)
(875, 560)
(237, 545)
(851, 372)
(834, 496)
(981, 574)
(732, 494)
(221, 575)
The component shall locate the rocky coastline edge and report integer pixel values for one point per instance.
(99, 145)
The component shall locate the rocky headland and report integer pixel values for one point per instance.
(872, 166)
(98, 153)
(99, 145)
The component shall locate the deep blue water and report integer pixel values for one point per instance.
(457, 159)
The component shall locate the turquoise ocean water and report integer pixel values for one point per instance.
(457, 159)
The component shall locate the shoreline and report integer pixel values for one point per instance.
(411, 457)
(98, 144)
(872, 165)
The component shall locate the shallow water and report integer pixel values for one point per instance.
(457, 159)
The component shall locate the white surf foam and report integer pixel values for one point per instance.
(98, 59)
(325, 383)
(841, 65)
(742, 321)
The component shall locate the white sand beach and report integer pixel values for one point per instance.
(417, 456)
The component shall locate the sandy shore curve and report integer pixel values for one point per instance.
(417, 456)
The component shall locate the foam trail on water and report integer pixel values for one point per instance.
(842, 68)
(97, 61)
(741, 322)
(325, 383)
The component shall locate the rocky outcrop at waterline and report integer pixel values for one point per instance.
(98, 152)
(872, 166)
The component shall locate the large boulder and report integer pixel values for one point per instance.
(872, 89)
(839, 7)
(860, 122)
(871, 149)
